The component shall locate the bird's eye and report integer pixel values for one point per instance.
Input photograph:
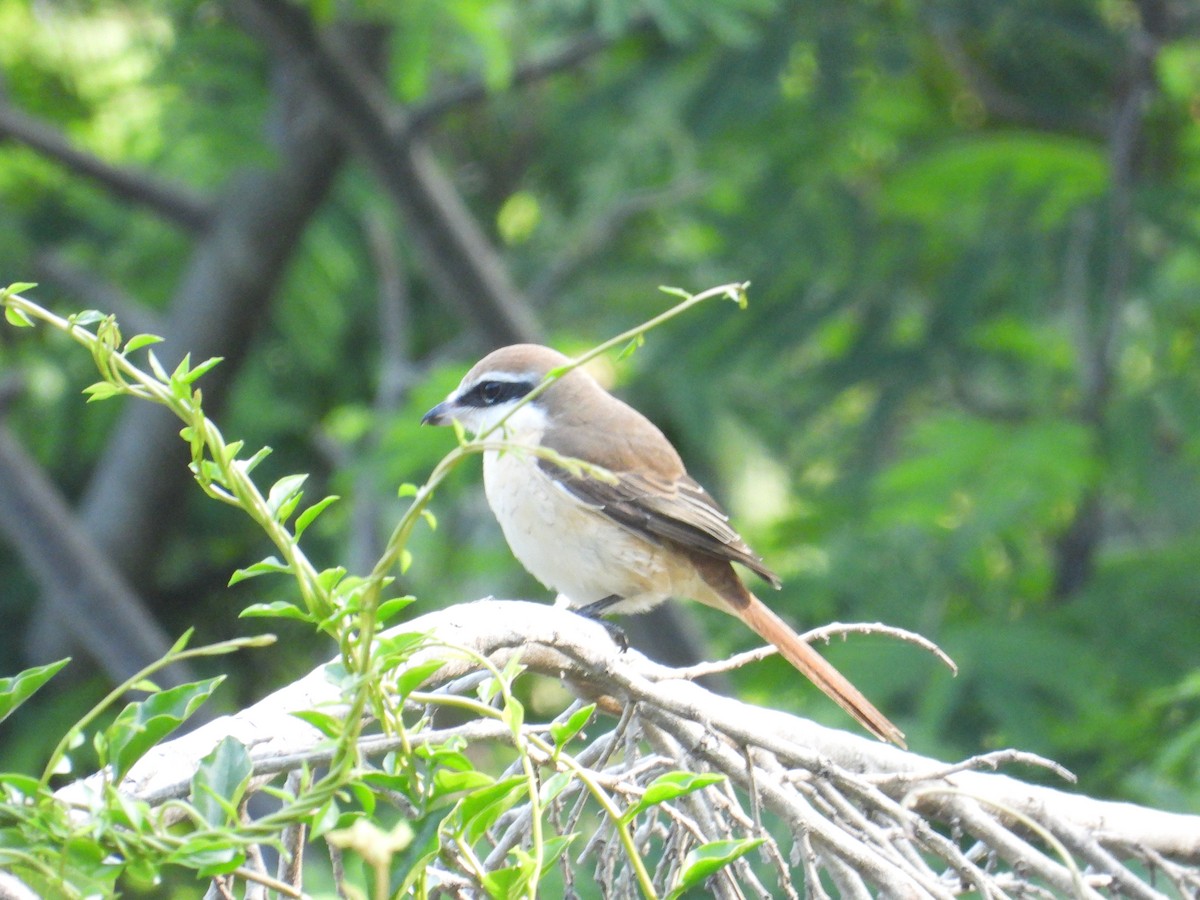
(491, 391)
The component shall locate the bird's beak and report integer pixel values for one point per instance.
(439, 415)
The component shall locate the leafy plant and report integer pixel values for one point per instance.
(445, 800)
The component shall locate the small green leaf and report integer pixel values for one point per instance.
(17, 287)
(327, 579)
(554, 785)
(157, 368)
(412, 677)
(446, 781)
(277, 609)
(20, 687)
(139, 726)
(17, 317)
(87, 317)
(562, 732)
(633, 345)
(408, 489)
(430, 519)
(706, 860)
(480, 809)
(192, 374)
(737, 293)
(394, 649)
(182, 641)
(389, 608)
(284, 495)
(138, 341)
(668, 787)
(675, 292)
(307, 517)
(269, 565)
(328, 725)
(101, 390)
(250, 464)
(406, 559)
(553, 848)
(220, 782)
(325, 819)
(18, 787)
(209, 854)
(513, 714)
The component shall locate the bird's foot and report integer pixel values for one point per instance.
(595, 612)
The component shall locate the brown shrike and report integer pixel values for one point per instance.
(622, 544)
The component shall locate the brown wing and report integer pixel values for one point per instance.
(653, 497)
(679, 510)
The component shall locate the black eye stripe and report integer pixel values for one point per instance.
(490, 393)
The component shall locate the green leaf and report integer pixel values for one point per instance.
(87, 317)
(209, 854)
(269, 565)
(328, 725)
(220, 782)
(562, 732)
(668, 787)
(101, 390)
(706, 860)
(307, 517)
(400, 645)
(408, 489)
(157, 367)
(17, 317)
(17, 287)
(446, 781)
(480, 809)
(139, 726)
(279, 609)
(412, 677)
(284, 495)
(633, 345)
(192, 374)
(19, 786)
(182, 641)
(513, 714)
(20, 687)
(554, 785)
(138, 341)
(553, 848)
(251, 464)
(389, 608)
(325, 819)
(328, 579)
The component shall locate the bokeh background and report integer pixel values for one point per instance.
(964, 399)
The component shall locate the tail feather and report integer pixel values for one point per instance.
(816, 669)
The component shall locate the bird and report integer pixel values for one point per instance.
(595, 502)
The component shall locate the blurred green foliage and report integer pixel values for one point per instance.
(945, 249)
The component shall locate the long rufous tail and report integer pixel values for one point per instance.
(814, 667)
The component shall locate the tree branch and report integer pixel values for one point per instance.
(864, 813)
(455, 252)
(173, 202)
(216, 311)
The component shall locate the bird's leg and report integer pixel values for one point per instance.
(598, 608)
(595, 611)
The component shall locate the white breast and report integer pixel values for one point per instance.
(566, 546)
